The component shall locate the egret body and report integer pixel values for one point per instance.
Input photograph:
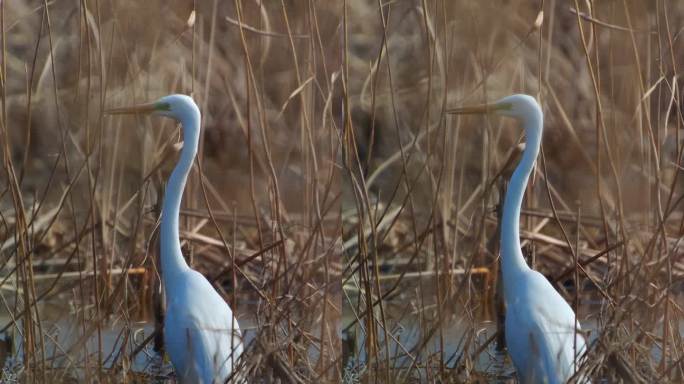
(201, 335)
(542, 333)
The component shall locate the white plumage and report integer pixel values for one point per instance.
(542, 333)
(201, 335)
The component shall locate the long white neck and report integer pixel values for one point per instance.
(172, 260)
(512, 257)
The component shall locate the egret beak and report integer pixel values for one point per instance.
(136, 109)
(479, 109)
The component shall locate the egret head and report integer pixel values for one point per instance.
(175, 106)
(178, 107)
(518, 106)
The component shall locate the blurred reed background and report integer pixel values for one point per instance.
(80, 191)
(602, 218)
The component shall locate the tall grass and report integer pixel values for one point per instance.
(332, 195)
(602, 218)
(80, 192)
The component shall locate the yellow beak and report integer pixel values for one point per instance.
(475, 109)
(136, 109)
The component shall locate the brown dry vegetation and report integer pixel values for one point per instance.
(80, 191)
(324, 129)
(420, 211)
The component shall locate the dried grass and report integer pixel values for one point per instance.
(80, 211)
(602, 218)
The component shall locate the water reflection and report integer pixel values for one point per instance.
(416, 349)
(120, 346)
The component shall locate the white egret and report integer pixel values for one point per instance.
(201, 335)
(542, 333)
